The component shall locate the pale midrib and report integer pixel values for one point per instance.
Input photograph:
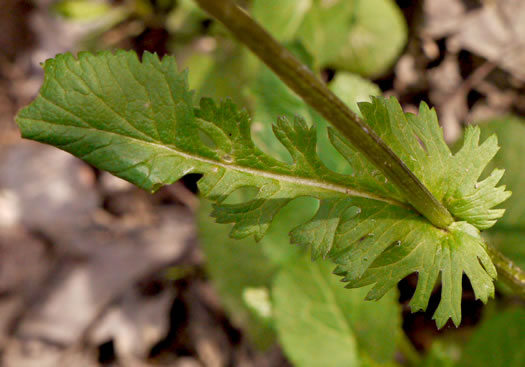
(279, 177)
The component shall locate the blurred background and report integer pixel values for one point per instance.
(95, 272)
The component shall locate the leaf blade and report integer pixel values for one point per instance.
(497, 342)
(312, 312)
(154, 138)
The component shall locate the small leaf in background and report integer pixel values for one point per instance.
(352, 89)
(508, 235)
(378, 33)
(272, 99)
(83, 10)
(360, 36)
(326, 28)
(184, 20)
(322, 324)
(498, 342)
(235, 268)
(276, 243)
(241, 270)
(441, 355)
(281, 18)
(218, 73)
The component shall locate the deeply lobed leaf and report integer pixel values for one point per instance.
(137, 120)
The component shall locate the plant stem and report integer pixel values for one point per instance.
(510, 273)
(314, 92)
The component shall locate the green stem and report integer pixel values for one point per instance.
(314, 92)
(510, 273)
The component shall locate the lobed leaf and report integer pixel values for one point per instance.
(137, 120)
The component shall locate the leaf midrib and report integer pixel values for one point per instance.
(253, 171)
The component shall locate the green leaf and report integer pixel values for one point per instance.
(273, 99)
(276, 242)
(137, 120)
(420, 247)
(363, 37)
(366, 361)
(220, 73)
(352, 89)
(281, 17)
(82, 10)
(377, 36)
(314, 313)
(508, 235)
(452, 179)
(441, 355)
(326, 27)
(235, 267)
(498, 342)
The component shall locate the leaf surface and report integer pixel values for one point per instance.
(137, 120)
(236, 266)
(498, 342)
(440, 356)
(341, 33)
(508, 235)
(313, 312)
